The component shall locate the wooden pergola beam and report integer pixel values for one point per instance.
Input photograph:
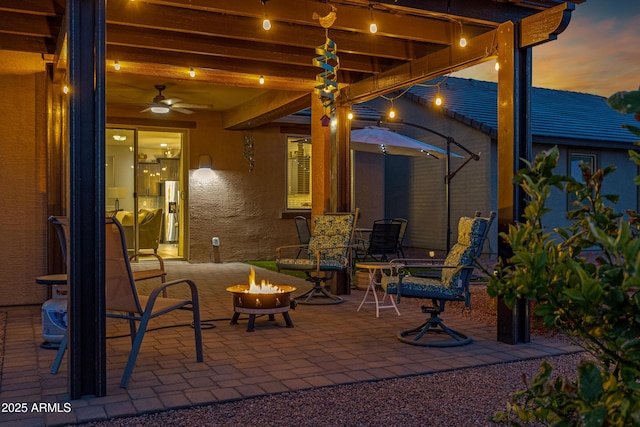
(265, 109)
(150, 16)
(480, 49)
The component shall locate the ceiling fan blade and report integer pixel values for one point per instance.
(145, 110)
(181, 110)
(171, 101)
(196, 106)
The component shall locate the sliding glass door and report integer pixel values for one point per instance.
(145, 188)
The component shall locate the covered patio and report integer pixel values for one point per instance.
(328, 345)
(78, 92)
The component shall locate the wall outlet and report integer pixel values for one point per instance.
(215, 241)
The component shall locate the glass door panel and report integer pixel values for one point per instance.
(143, 188)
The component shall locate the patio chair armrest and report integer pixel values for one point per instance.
(157, 291)
(156, 256)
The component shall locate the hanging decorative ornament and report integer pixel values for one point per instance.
(327, 80)
(248, 151)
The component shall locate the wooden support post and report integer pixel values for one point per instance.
(320, 161)
(341, 180)
(514, 143)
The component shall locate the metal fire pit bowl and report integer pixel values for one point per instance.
(259, 304)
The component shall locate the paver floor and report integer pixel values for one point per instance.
(328, 345)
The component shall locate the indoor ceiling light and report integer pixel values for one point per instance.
(261, 81)
(159, 109)
(119, 137)
(192, 72)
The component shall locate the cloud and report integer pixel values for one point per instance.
(597, 56)
(591, 56)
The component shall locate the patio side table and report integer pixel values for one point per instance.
(372, 268)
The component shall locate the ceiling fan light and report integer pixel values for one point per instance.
(159, 109)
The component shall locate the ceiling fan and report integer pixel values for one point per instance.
(162, 104)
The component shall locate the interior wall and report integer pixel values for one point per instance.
(23, 157)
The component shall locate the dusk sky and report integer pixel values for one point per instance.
(599, 53)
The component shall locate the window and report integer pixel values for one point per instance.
(575, 160)
(298, 172)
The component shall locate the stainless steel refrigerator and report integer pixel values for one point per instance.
(171, 209)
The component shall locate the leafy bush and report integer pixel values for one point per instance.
(596, 301)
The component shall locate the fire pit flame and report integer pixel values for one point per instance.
(263, 288)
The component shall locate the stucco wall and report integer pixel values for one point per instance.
(23, 178)
(242, 208)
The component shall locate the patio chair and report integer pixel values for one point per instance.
(158, 272)
(124, 302)
(403, 229)
(329, 251)
(304, 234)
(453, 284)
(383, 241)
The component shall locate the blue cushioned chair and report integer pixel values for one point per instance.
(453, 284)
(329, 251)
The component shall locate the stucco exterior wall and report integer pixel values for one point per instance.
(242, 208)
(23, 171)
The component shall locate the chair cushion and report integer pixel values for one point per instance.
(331, 236)
(418, 287)
(309, 265)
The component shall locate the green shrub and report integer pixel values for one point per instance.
(595, 300)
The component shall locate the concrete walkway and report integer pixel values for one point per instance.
(328, 345)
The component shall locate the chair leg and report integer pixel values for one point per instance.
(433, 325)
(317, 294)
(197, 327)
(59, 355)
(135, 349)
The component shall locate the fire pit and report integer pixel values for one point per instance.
(261, 299)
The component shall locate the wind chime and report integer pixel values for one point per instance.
(327, 81)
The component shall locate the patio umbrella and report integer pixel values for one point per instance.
(375, 139)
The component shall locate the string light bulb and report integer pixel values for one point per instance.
(65, 89)
(392, 112)
(116, 65)
(261, 80)
(266, 23)
(373, 28)
(192, 72)
(350, 114)
(438, 99)
(463, 40)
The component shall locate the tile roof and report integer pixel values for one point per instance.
(555, 113)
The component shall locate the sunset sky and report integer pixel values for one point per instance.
(599, 53)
